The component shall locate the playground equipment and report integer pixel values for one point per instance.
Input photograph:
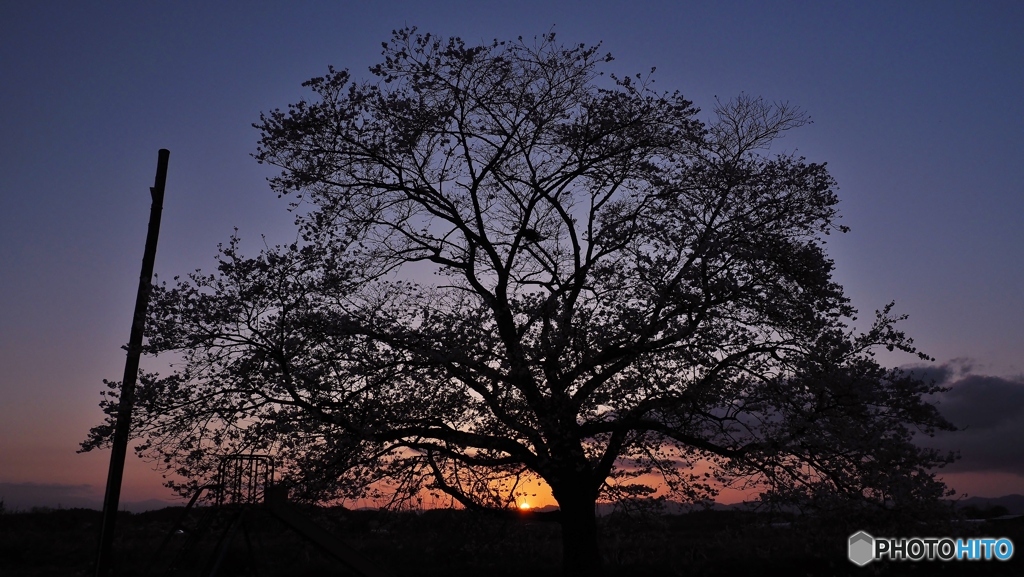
(245, 487)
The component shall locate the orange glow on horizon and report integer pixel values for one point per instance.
(524, 506)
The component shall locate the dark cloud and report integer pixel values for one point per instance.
(988, 410)
(942, 373)
(980, 402)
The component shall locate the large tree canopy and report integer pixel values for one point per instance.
(513, 266)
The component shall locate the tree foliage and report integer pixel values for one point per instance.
(514, 267)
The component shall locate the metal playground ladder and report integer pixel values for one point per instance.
(245, 483)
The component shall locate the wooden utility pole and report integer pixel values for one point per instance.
(131, 372)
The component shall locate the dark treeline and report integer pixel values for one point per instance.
(457, 543)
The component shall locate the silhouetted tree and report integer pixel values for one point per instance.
(514, 267)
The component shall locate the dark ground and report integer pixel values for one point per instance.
(459, 543)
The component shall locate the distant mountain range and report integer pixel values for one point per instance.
(24, 497)
(1014, 503)
(670, 507)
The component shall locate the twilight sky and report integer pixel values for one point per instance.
(918, 108)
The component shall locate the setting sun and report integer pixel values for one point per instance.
(524, 506)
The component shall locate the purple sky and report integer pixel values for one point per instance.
(918, 107)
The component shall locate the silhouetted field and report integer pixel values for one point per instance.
(460, 543)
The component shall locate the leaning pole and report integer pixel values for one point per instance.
(131, 371)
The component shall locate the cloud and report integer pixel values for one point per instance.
(988, 410)
(959, 367)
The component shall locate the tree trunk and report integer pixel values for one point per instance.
(580, 555)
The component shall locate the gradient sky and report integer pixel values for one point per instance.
(918, 108)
